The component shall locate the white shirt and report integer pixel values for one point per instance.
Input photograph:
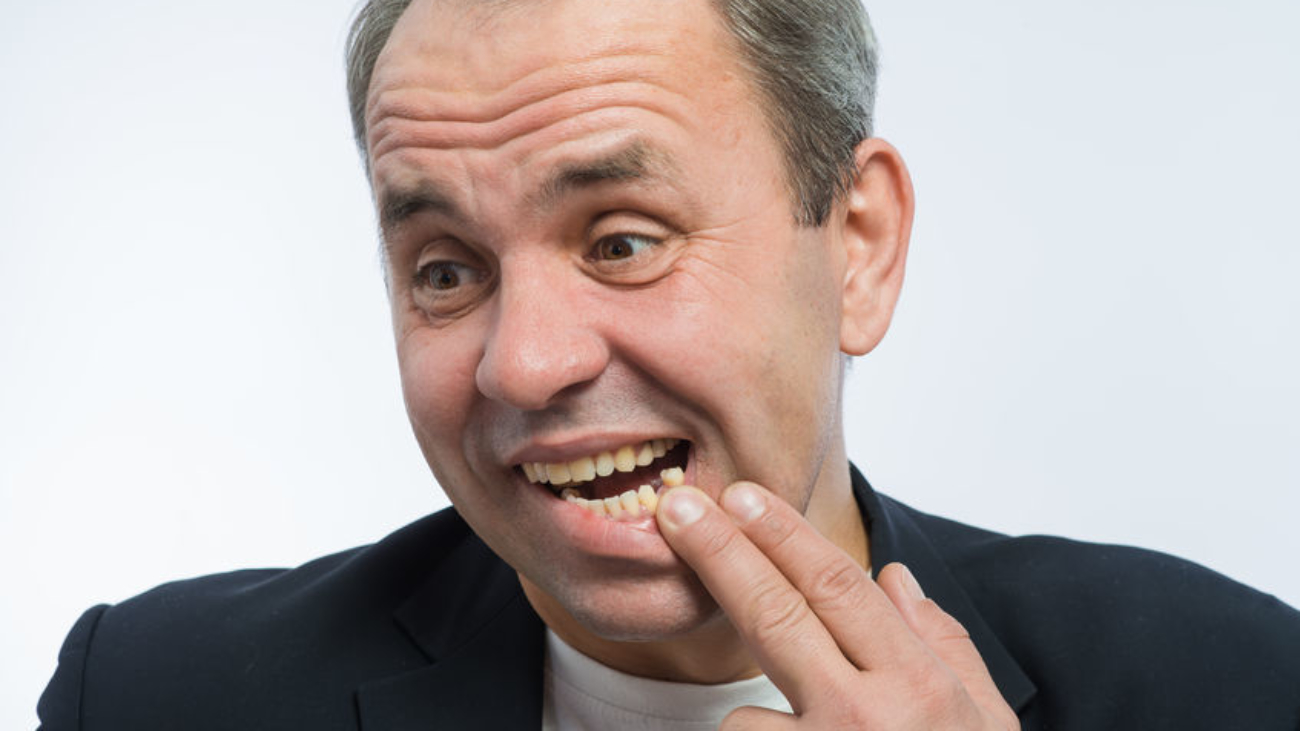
(580, 694)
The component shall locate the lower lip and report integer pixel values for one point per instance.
(600, 536)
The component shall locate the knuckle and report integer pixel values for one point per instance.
(941, 627)
(931, 684)
(835, 584)
(715, 541)
(776, 614)
(941, 619)
(778, 529)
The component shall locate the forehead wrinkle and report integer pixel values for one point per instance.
(403, 135)
(414, 126)
(489, 103)
(414, 93)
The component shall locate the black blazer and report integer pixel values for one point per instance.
(428, 629)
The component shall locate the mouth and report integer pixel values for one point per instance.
(620, 484)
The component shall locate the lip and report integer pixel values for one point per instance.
(601, 537)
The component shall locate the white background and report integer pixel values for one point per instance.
(1098, 337)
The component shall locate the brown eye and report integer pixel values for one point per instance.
(443, 278)
(622, 246)
(445, 275)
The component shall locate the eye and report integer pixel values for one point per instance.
(446, 279)
(442, 276)
(621, 246)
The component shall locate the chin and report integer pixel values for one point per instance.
(641, 611)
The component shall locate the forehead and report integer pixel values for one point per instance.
(491, 43)
(477, 62)
(480, 45)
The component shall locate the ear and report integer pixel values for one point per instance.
(876, 227)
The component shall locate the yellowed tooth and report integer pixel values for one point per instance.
(645, 455)
(625, 459)
(558, 473)
(570, 494)
(529, 471)
(673, 477)
(647, 497)
(605, 464)
(582, 470)
(671, 444)
(614, 507)
(539, 469)
(595, 506)
(629, 502)
(657, 446)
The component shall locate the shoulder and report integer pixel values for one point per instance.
(247, 639)
(352, 584)
(1109, 622)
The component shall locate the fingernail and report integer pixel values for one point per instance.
(682, 507)
(743, 502)
(911, 586)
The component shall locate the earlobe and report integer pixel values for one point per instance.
(877, 226)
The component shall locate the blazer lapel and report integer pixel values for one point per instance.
(896, 537)
(485, 644)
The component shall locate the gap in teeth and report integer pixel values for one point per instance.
(585, 469)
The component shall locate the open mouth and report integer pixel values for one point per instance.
(620, 484)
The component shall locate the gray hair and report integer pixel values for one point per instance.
(813, 61)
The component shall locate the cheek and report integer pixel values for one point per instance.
(751, 339)
(760, 351)
(438, 386)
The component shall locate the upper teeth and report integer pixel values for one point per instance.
(586, 469)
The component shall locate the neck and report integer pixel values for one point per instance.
(709, 654)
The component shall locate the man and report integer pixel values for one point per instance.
(624, 239)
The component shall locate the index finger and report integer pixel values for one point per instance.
(860, 616)
(787, 639)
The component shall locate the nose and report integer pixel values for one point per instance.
(542, 341)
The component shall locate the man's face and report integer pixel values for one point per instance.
(591, 246)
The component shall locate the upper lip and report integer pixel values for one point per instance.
(567, 450)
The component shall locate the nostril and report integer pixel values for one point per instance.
(529, 368)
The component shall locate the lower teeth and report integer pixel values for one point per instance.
(630, 504)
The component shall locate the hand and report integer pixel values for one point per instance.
(846, 651)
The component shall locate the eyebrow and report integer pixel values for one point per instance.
(636, 161)
(399, 204)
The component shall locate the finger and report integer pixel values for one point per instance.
(787, 640)
(860, 617)
(749, 718)
(944, 635)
